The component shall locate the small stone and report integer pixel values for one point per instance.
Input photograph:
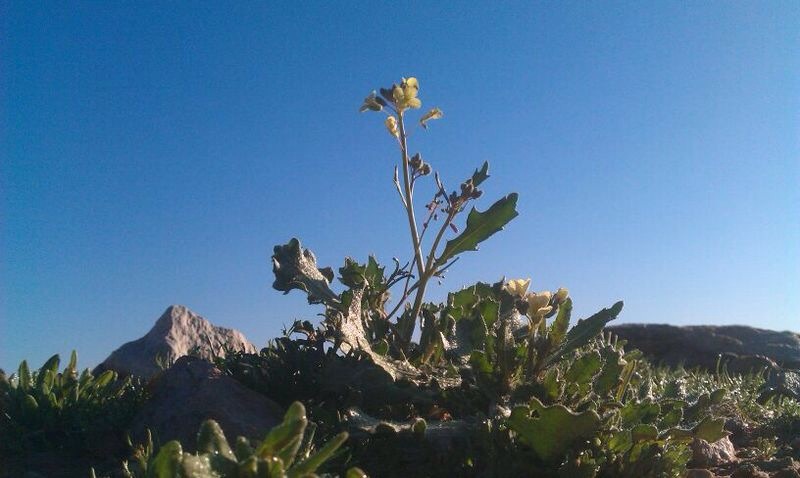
(796, 444)
(698, 473)
(776, 464)
(193, 390)
(786, 473)
(707, 455)
(749, 471)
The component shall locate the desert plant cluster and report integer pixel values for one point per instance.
(497, 380)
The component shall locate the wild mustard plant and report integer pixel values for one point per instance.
(396, 102)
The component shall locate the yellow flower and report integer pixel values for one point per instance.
(410, 87)
(405, 94)
(517, 287)
(539, 304)
(391, 126)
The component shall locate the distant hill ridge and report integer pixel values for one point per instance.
(700, 345)
(179, 332)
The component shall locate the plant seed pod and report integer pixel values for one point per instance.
(426, 169)
(415, 161)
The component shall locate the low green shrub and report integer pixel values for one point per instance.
(52, 412)
(286, 452)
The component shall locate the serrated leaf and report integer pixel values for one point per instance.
(611, 374)
(584, 331)
(554, 431)
(480, 175)
(560, 325)
(296, 268)
(583, 369)
(634, 413)
(710, 429)
(480, 226)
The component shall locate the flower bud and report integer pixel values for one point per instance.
(397, 94)
(391, 126)
(539, 304)
(517, 287)
(410, 87)
(415, 161)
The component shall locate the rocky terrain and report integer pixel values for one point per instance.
(175, 334)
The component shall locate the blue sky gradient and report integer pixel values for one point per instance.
(154, 153)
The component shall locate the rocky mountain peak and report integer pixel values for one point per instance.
(178, 332)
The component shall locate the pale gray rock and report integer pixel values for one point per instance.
(706, 455)
(699, 473)
(192, 391)
(178, 332)
(700, 345)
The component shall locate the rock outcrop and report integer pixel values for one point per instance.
(193, 390)
(178, 332)
(699, 346)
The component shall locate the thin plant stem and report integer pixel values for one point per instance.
(412, 222)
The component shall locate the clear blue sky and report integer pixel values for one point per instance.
(154, 153)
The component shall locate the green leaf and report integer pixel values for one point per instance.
(50, 366)
(554, 431)
(584, 331)
(243, 449)
(310, 464)
(24, 376)
(167, 463)
(72, 366)
(480, 175)
(105, 378)
(284, 440)
(560, 325)
(583, 369)
(29, 404)
(671, 418)
(611, 374)
(644, 432)
(355, 472)
(634, 413)
(621, 441)
(211, 439)
(480, 226)
(710, 429)
(551, 384)
(296, 268)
